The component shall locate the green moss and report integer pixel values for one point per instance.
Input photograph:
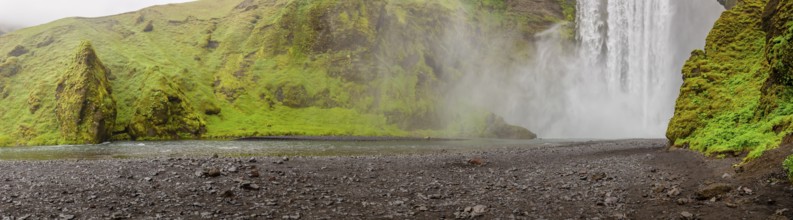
(737, 95)
(85, 108)
(164, 112)
(788, 165)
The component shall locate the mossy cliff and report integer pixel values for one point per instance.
(233, 68)
(84, 105)
(737, 95)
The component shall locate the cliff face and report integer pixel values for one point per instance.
(737, 95)
(231, 68)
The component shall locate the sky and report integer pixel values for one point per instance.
(25, 13)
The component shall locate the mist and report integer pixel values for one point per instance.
(619, 77)
(15, 14)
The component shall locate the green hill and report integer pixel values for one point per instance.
(233, 68)
(737, 95)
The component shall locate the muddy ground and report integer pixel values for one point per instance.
(628, 179)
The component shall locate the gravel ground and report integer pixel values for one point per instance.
(626, 179)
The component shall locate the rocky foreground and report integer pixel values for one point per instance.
(630, 179)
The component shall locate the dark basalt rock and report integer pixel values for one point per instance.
(18, 51)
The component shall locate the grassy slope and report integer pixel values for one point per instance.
(230, 68)
(731, 100)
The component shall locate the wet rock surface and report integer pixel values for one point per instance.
(630, 179)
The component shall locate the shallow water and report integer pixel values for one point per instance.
(191, 148)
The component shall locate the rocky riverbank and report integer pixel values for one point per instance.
(635, 179)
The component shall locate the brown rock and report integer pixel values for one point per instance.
(713, 190)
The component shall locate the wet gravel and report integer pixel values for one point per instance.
(627, 179)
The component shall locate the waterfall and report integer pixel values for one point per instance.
(621, 78)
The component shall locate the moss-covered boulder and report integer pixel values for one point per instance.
(163, 111)
(498, 128)
(85, 108)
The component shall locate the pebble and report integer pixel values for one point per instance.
(213, 172)
(713, 190)
(686, 215)
(253, 173)
(478, 210)
(249, 186)
(610, 201)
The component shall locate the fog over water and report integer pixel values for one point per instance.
(618, 79)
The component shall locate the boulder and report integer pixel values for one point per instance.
(498, 128)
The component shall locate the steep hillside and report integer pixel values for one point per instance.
(737, 95)
(232, 68)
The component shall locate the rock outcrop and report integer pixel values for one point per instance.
(85, 108)
(737, 94)
(163, 111)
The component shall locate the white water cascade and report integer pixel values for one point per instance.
(623, 75)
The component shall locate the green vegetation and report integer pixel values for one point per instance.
(788, 165)
(84, 107)
(232, 68)
(737, 96)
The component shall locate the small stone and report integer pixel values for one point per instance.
(253, 173)
(66, 216)
(683, 201)
(610, 201)
(232, 169)
(285, 158)
(227, 194)
(147, 179)
(249, 186)
(214, 155)
(476, 161)
(295, 216)
(598, 176)
(713, 190)
(422, 208)
(745, 191)
(731, 205)
(673, 192)
(726, 176)
(213, 172)
(119, 215)
(252, 160)
(686, 215)
(478, 210)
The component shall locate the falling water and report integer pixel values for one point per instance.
(623, 76)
